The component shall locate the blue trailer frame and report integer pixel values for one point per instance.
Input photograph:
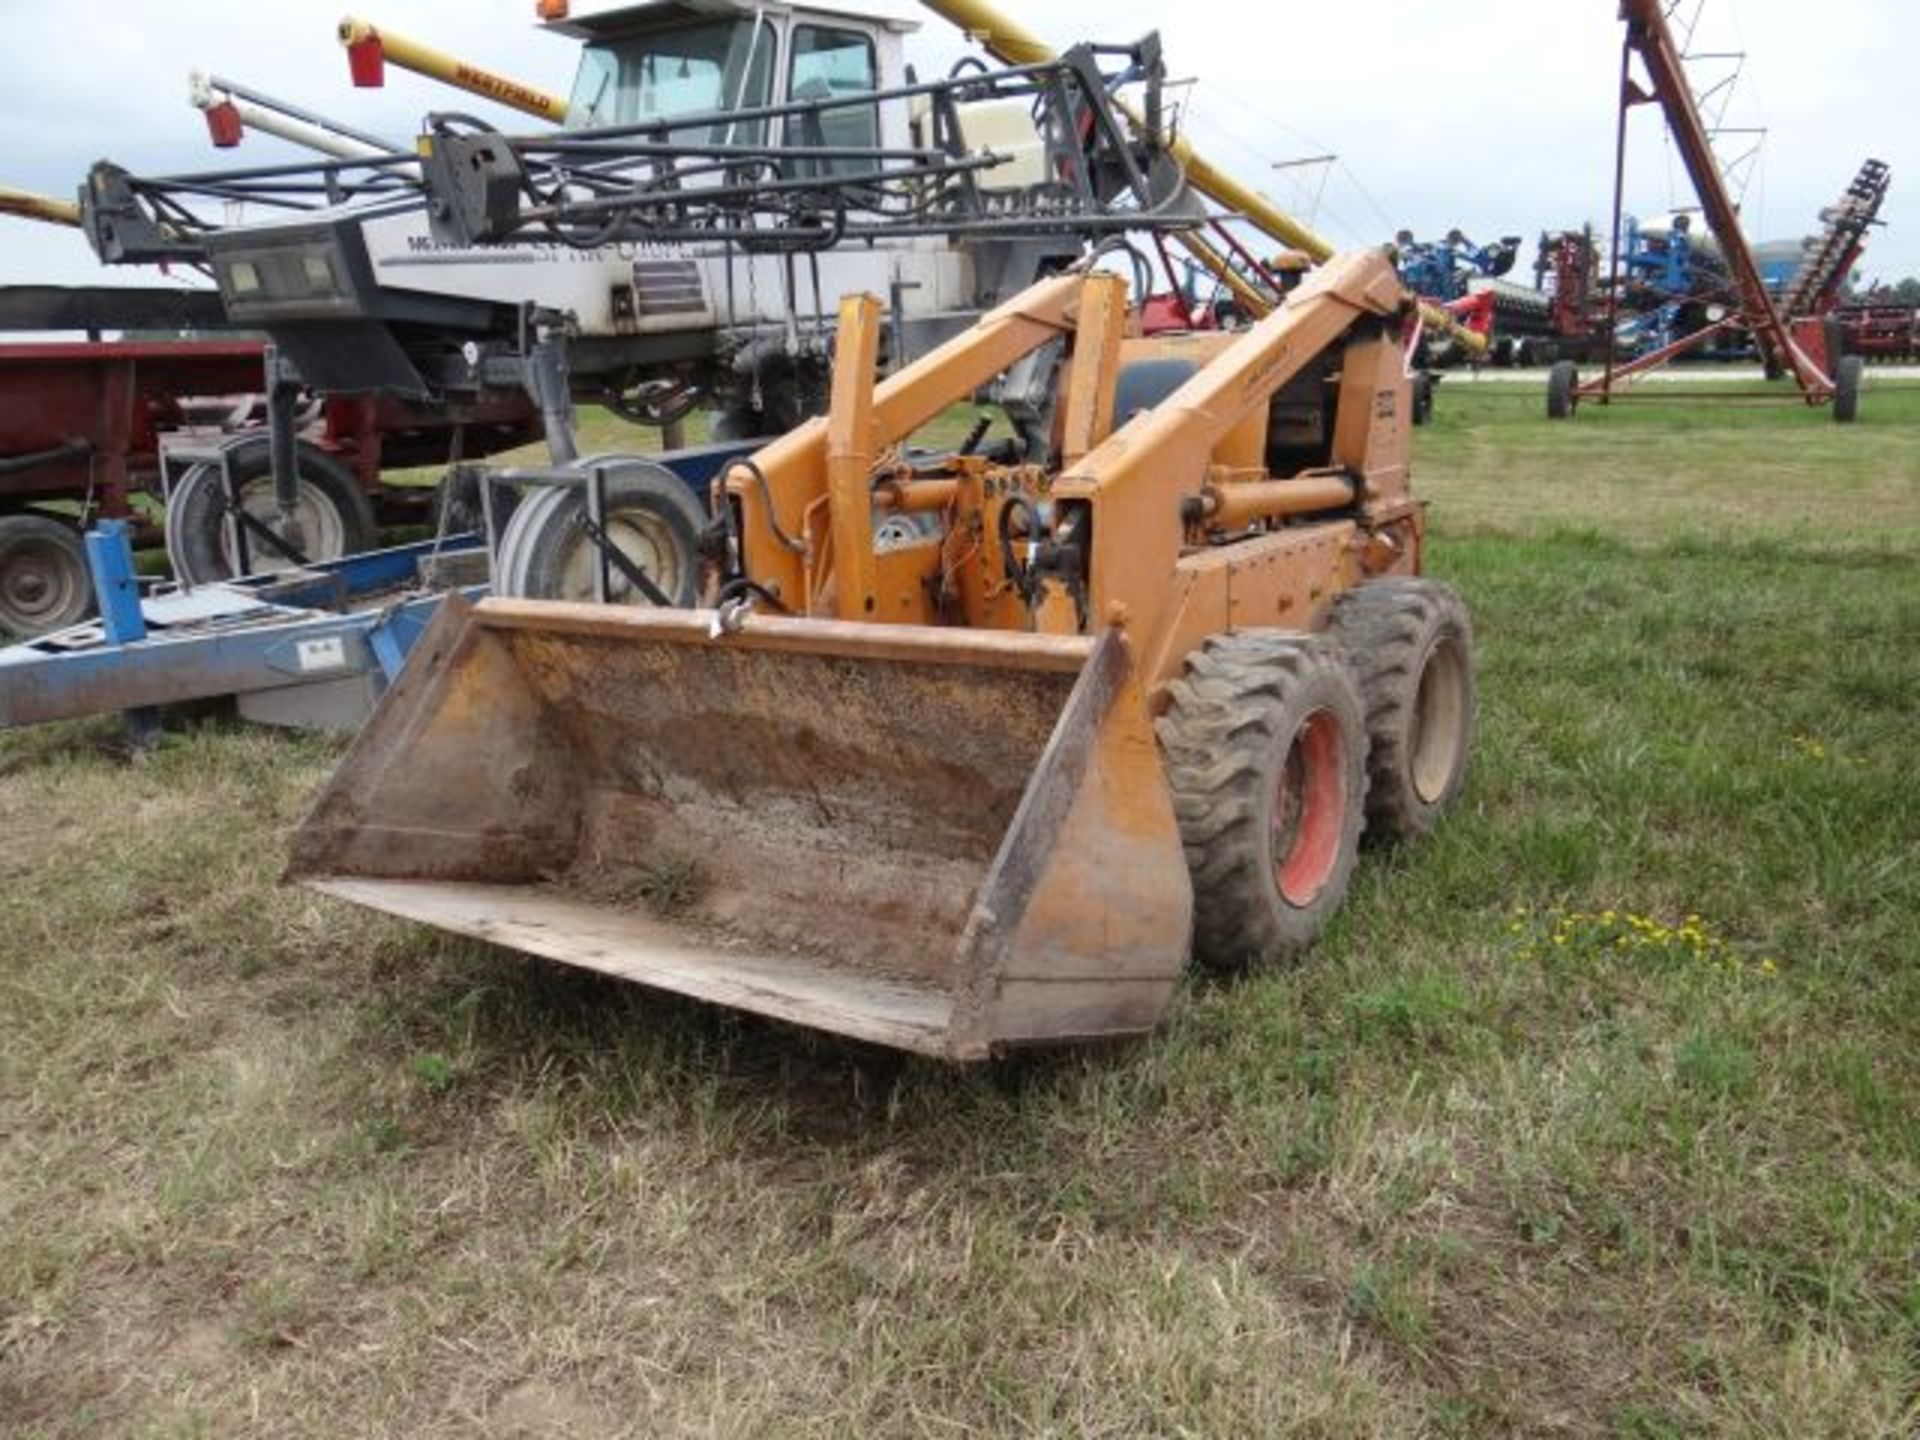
(314, 646)
(297, 632)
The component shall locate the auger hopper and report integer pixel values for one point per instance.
(979, 785)
(945, 841)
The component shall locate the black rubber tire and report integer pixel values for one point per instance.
(1561, 382)
(735, 424)
(1423, 388)
(1834, 336)
(1410, 642)
(196, 518)
(540, 549)
(1249, 705)
(44, 580)
(788, 392)
(1846, 389)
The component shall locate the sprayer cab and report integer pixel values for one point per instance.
(646, 64)
(727, 61)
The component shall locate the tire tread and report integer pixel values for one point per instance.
(1226, 718)
(1386, 627)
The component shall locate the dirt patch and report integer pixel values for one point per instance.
(544, 1410)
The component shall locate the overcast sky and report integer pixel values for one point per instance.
(1492, 115)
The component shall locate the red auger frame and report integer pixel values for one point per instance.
(1807, 350)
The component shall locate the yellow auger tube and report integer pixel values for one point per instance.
(1012, 44)
(438, 65)
(29, 206)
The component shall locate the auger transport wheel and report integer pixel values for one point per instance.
(1847, 375)
(1410, 643)
(1266, 750)
(1563, 393)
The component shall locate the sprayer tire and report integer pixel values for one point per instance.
(1266, 748)
(737, 423)
(1410, 642)
(1423, 388)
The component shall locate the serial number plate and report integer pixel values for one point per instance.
(329, 652)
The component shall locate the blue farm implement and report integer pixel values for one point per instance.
(313, 646)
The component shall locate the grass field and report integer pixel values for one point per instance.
(1599, 1114)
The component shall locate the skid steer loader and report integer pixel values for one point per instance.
(1129, 691)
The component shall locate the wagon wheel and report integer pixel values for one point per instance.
(44, 582)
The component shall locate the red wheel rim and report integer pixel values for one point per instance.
(1309, 809)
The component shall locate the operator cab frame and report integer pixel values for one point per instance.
(656, 62)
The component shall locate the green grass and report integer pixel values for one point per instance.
(1676, 464)
(1476, 1167)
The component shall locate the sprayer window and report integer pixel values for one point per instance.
(722, 65)
(831, 64)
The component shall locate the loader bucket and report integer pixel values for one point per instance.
(948, 841)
